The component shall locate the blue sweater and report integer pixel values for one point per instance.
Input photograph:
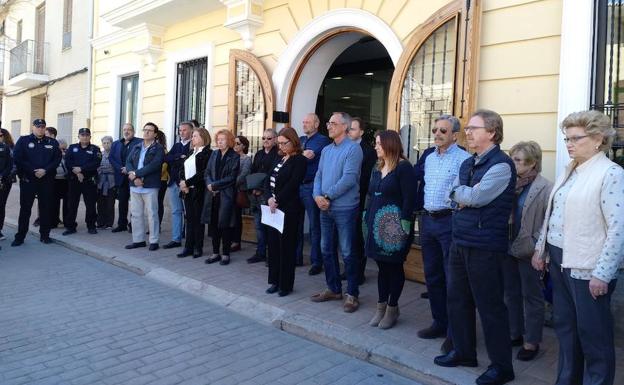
(338, 174)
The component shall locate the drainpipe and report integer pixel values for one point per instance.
(90, 71)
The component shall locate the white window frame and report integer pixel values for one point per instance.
(114, 107)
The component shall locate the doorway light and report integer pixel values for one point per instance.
(369, 73)
(346, 97)
(337, 78)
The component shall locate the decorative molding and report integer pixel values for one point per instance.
(131, 9)
(148, 46)
(244, 17)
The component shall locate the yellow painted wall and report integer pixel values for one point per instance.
(518, 72)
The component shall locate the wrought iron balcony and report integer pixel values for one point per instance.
(28, 64)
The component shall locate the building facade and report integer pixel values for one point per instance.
(46, 61)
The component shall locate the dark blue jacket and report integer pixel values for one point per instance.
(117, 159)
(6, 163)
(87, 158)
(152, 164)
(175, 160)
(31, 153)
(419, 173)
(487, 227)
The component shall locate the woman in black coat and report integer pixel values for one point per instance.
(388, 223)
(283, 185)
(220, 197)
(193, 190)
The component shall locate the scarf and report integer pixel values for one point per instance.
(525, 180)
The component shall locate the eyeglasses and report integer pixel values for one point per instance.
(442, 130)
(267, 138)
(283, 143)
(472, 128)
(574, 139)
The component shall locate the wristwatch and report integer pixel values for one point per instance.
(327, 197)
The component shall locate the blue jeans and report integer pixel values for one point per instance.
(177, 212)
(261, 235)
(305, 194)
(340, 223)
(435, 241)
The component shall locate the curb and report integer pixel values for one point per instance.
(333, 336)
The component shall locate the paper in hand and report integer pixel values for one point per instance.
(275, 220)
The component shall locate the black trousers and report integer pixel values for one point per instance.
(123, 196)
(238, 229)
(219, 235)
(161, 200)
(29, 189)
(283, 252)
(390, 282)
(475, 280)
(195, 230)
(4, 196)
(59, 202)
(106, 208)
(88, 190)
(584, 328)
(358, 245)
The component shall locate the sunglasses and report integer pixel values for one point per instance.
(442, 130)
(267, 138)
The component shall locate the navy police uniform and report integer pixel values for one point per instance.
(88, 158)
(32, 153)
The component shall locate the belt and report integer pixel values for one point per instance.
(439, 213)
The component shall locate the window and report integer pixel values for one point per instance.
(129, 99)
(18, 34)
(67, 23)
(191, 91)
(16, 129)
(65, 126)
(608, 73)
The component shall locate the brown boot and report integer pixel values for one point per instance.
(379, 314)
(390, 318)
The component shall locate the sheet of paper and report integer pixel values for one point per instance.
(189, 168)
(275, 220)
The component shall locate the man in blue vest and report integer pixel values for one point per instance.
(483, 193)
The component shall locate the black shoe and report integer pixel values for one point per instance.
(212, 259)
(36, 222)
(272, 289)
(92, 231)
(198, 253)
(45, 240)
(447, 346)
(17, 242)
(283, 293)
(255, 259)
(135, 245)
(235, 247)
(225, 260)
(185, 253)
(526, 354)
(69, 232)
(315, 270)
(451, 360)
(119, 229)
(153, 247)
(517, 341)
(495, 376)
(172, 245)
(431, 332)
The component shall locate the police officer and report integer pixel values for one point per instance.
(82, 160)
(36, 157)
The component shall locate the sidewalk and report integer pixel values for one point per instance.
(240, 287)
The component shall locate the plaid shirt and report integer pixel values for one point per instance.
(440, 173)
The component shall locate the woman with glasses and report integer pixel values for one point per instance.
(220, 197)
(283, 187)
(193, 189)
(241, 146)
(6, 173)
(522, 284)
(583, 240)
(388, 224)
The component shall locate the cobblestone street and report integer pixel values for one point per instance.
(69, 319)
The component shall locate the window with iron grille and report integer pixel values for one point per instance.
(67, 23)
(250, 105)
(608, 73)
(191, 91)
(65, 126)
(129, 100)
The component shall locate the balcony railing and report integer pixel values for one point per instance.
(30, 56)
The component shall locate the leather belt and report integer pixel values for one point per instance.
(439, 213)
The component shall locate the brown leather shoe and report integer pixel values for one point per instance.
(351, 304)
(326, 295)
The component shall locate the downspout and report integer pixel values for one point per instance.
(90, 71)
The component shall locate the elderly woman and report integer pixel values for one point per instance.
(220, 198)
(584, 235)
(523, 287)
(106, 188)
(241, 146)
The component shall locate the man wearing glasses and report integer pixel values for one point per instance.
(484, 193)
(336, 192)
(312, 143)
(441, 167)
(263, 163)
